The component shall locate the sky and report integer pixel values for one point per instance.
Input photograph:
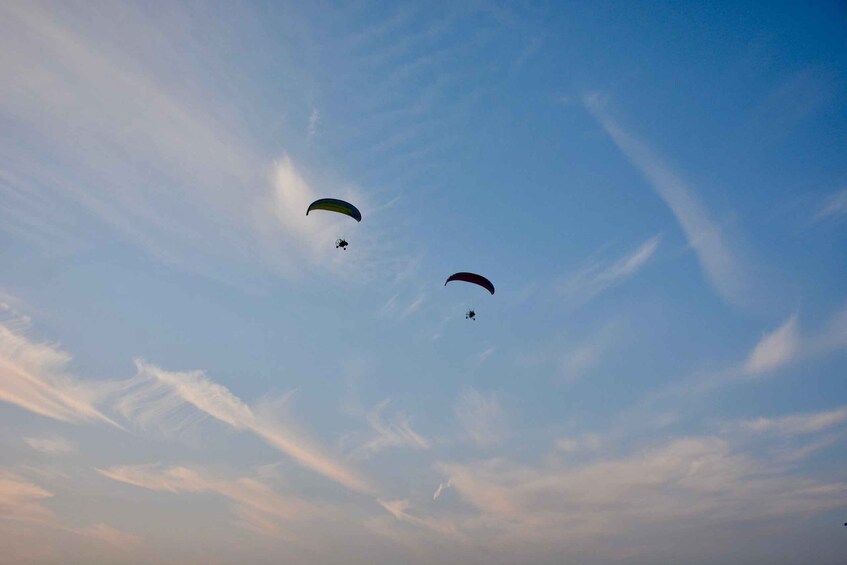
(190, 371)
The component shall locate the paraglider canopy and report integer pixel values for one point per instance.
(472, 278)
(335, 205)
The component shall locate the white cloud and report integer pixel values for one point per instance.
(21, 500)
(786, 344)
(155, 393)
(28, 526)
(798, 424)
(389, 307)
(109, 535)
(441, 487)
(14, 321)
(399, 509)
(33, 376)
(586, 442)
(50, 445)
(314, 120)
(792, 438)
(481, 416)
(257, 506)
(125, 137)
(393, 304)
(599, 277)
(169, 168)
(776, 349)
(413, 306)
(697, 481)
(385, 434)
(580, 358)
(485, 354)
(627, 266)
(155, 396)
(281, 224)
(717, 259)
(781, 348)
(835, 206)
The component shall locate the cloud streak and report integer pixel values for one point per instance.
(798, 424)
(399, 509)
(834, 207)
(257, 506)
(21, 500)
(481, 416)
(598, 277)
(50, 445)
(314, 120)
(700, 481)
(109, 535)
(775, 349)
(389, 434)
(787, 345)
(717, 258)
(120, 132)
(170, 169)
(33, 377)
(156, 395)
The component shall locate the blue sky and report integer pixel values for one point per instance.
(190, 371)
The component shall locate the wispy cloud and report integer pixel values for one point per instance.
(717, 258)
(156, 395)
(586, 442)
(581, 357)
(288, 240)
(792, 100)
(169, 169)
(31, 532)
(120, 131)
(786, 344)
(792, 438)
(393, 304)
(27, 523)
(798, 424)
(568, 357)
(21, 500)
(700, 480)
(15, 321)
(441, 487)
(413, 306)
(257, 506)
(51, 445)
(314, 120)
(776, 349)
(834, 207)
(598, 276)
(282, 220)
(389, 434)
(481, 416)
(110, 535)
(400, 510)
(485, 354)
(33, 376)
